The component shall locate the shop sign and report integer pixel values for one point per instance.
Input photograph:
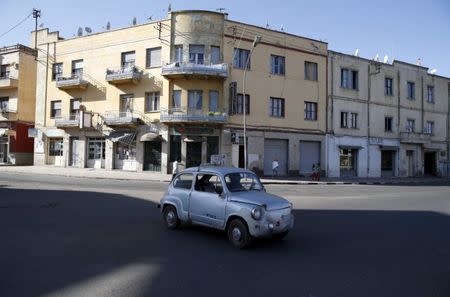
(218, 160)
(192, 131)
(376, 140)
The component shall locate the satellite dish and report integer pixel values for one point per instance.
(282, 28)
(41, 25)
(433, 71)
(169, 9)
(356, 52)
(88, 30)
(108, 26)
(134, 21)
(386, 58)
(80, 31)
(419, 62)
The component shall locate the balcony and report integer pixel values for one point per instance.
(8, 114)
(7, 81)
(123, 75)
(415, 138)
(123, 118)
(71, 82)
(185, 114)
(182, 70)
(71, 121)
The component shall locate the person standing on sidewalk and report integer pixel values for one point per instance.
(317, 171)
(175, 169)
(275, 166)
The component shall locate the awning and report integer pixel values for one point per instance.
(150, 136)
(3, 132)
(54, 133)
(124, 137)
(389, 147)
(351, 147)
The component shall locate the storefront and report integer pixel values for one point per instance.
(95, 152)
(348, 162)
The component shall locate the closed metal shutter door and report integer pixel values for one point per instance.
(275, 149)
(309, 155)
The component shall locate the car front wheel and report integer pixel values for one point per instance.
(171, 217)
(238, 234)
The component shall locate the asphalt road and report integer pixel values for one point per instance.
(81, 237)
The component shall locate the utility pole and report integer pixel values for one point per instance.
(36, 15)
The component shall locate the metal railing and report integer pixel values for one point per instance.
(129, 72)
(173, 68)
(73, 80)
(122, 117)
(415, 137)
(72, 120)
(188, 114)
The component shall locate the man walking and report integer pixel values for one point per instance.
(275, 166)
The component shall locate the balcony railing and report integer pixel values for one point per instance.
(71, 82)
(122, 118)
(414, 137)
(123, 75)
(180, 69)
(8, 81)
(7, 114)
(70, 121)
(186, 114)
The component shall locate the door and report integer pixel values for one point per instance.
(410, 162)
(152, 156)
(3, 152)
(241, 156)
(430, 163)
(193, 154)
(387, 163)
(75, 159)
(348, 162)
(309, 155)
(96, 152)
(207, 205)
(275, 149)
(55, 152)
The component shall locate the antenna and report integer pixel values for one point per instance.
(386, 58)
(221, 9)
(433, 71)
(150, 18)
(267, 24)
(80, 31)
(41, 25)
(134, 21)
(356, 52)
(108, 26)
(169, 9)
(88, 30)
(282, 28)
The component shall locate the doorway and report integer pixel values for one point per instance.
(74, 156)
(193, 154)
(430, 163)
(152, 156)
(387, 163)
(410, 163)
(3, 152)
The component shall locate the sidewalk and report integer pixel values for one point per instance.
(158, 177)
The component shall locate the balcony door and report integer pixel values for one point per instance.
(77, 68)
(195, 100)
(128, 60)
(196, 54)
(126, 105)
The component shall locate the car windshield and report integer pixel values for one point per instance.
(237, 182)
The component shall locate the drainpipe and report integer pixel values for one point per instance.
(331, 130)
(398, 121)
(422, 122)
(368, 118)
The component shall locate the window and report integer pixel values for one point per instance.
(276, 107)
(208, 183)
(77, 68)
(240, 58)
(195, 100)
(183, 181)
(75, 108)
(310, 70)
(126, 103)
(213, 101)
(429, 127)
(196, 54)
(55, 147)
(238, 182)
(153, 58)
(178, 53)
(277, 65)
(240, 104)
(4, 103)
(388, 86)
(128, 59)
(215, 54)
(388, 124)
(55, 111)
(311, 111)
(126, 151)
(430, 94)
(57, 71)
(411, 90)
(96, 148)
(4, 71)
(347, 159)
(353, 120)
(410, 126)
(176, 98)
(349, 79)
(152, 101)
(344, 120)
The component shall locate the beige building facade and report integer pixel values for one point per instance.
(386, 119)
(141, 97)
(17, 104)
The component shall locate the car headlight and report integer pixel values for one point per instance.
(257, 213)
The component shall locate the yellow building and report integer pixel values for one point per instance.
(17, 104)
(141, 97)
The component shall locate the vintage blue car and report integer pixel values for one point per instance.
(230, 199)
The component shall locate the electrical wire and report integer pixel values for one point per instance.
(17, 25)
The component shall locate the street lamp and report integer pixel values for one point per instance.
(256, 40)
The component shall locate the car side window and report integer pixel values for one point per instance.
(209, 183)
(183, 181)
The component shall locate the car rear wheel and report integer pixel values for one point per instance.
(171, 217)
(238, 234)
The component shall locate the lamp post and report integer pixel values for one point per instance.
(256, 40)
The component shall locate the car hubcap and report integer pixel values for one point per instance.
(170, 218)
(236, 234)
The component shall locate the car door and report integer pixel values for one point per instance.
(181, 188)
(207, 201)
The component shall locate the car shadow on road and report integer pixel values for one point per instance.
(67, 243)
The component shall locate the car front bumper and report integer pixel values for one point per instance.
(269, 226)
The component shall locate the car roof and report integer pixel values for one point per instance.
(216, 170)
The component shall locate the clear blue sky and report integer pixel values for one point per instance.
(403, 29)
